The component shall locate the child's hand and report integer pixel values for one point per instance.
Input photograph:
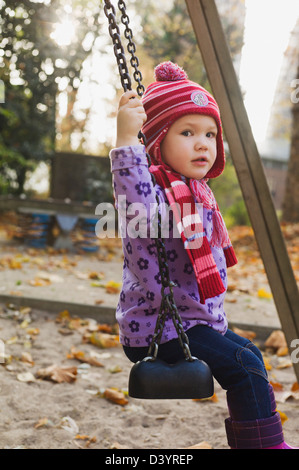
(131, 116)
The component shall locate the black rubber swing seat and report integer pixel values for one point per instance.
(155, 379)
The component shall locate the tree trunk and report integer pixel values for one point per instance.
(291, 197)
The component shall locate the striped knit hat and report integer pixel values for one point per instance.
(170, 97)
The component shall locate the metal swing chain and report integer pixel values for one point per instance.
(119, 52)
(134, 61)
(168, 306)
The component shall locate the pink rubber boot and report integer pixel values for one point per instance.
(283, 445)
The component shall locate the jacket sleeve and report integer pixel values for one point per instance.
(134, 190)
(131, 177)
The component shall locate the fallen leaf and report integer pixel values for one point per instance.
(231, 287)
(81, 276)
(201, 445)
(63, 316)
(283, 417)
(14, 264)
(69, 424)
(283, 396)
(245, 333)
(295, 387)
(33, 331)
(276, 386)
(77, 323)
(12, 340)
(89, 440)
(115, 396)
(95, 275)
(276, 340)
(285, 364)
(103, 340)
(25, 310)
(283, 351)
(263, 294)
(117, 445)
(115, 369)
(25, 323)
(231, 300)
(65, 331)
(58, 374)
(80, 356)
(16, 292)
(113, 287)
(213, 398)
(268, 366)
(5, 359)
(43, 422)
(26, 377)
(105, 328)
(26, 357)
(39, 282)
(48, 277)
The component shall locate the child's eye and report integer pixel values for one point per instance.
(211, 135)
(186, 133)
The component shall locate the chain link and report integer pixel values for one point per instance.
(117, 46)
(168, 308)
(131, 47)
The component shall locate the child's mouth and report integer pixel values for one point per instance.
(200, 161)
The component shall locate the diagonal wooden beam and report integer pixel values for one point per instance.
(223, 80)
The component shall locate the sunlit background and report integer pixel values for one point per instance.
(268, 26)
(268, 34)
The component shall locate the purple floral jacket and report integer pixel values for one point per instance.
(140, 297)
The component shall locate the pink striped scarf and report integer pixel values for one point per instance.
(182, 197)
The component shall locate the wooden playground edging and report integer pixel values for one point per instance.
(103, 313)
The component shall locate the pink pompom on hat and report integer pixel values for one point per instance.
(170, 97)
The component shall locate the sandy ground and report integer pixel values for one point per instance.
(39, 413)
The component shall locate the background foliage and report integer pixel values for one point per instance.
(33, 65)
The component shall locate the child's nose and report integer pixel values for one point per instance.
(201, 142)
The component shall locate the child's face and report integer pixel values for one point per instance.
(190, 146)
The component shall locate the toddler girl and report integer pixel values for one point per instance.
(182, 126)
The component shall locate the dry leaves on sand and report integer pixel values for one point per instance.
(213, 399)
(112, 287)
(251, 335)
(25, 377)
(80, 356)
(282, 395)
(115, 396)
(87, 439)
(43, 422)
(27, 358)
(102, 340)
(58, 374)
(277, 342)
(201, 445)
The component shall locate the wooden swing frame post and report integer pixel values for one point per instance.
(224, 82)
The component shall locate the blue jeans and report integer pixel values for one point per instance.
(236, 363)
